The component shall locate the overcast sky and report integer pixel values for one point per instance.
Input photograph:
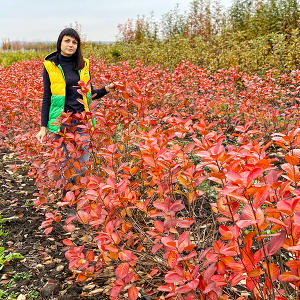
(40, 20)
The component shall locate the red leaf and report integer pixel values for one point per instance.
(48, 230)
(156, 247)
(109, 228)
(168, 242)
(210, 271)
(250, 217)
(83, 216)
(115, 237)
(153, 272)
(258, 172)
(225, 232)
(236, 279)
(293, 264)
(255, 272)
(185, 223)
(193, 284)
(275, 243)
(133, 293)
(127, 255)
(245, 223)
(116, 290)
(69, 227)
(261, 196)
(288, 277)
(149, 160)
(297, 218)
(120, 86)
(164, 288)
(159, 226)
(67, 242)
(288, 205)
(172, 277)
(183, 289)
(122, 270)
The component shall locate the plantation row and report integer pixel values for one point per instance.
(168, 146)
(257, 55)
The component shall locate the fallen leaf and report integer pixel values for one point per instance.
(21, 297)
(60, 268)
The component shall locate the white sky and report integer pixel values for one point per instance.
(42, 20)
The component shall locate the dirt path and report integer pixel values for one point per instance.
(43, 273)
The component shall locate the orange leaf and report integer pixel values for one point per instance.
(90, 256)
(225, 232)
(282, 145)
(172, 259)
(76, 165)
(191, 196)
(274, 271)
(219, 175)
(133, 293)
(293, 264)
(114, 255)
(291, 159)
(255, 272)
(81, 278)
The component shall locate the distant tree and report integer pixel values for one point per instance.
(78, 27)
(240, 13)
(260, 17)
(205, 18)
(138, 30)
(173, 23)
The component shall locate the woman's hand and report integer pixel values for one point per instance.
(111, 86)
(41, 134)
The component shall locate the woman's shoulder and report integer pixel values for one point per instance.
(52, 57)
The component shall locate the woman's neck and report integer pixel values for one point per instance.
(64, 56)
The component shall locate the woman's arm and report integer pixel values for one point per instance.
(45, 106)
(46, 99)
(103, 91)
(99, 92)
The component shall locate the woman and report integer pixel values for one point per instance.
(63, 69)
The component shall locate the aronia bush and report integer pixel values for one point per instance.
(167, 145)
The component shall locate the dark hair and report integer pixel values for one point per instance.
(78, 58)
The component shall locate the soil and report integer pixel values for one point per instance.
(44, 262)
(44, 273)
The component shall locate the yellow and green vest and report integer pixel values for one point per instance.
(58, 91)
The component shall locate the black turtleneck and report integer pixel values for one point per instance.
(72, 78)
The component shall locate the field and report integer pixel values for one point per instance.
(192, 188)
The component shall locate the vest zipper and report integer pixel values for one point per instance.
(62, 72)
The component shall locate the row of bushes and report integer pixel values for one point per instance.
(272, 51)
(8, 58)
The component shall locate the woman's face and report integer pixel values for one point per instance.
(68, 46)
